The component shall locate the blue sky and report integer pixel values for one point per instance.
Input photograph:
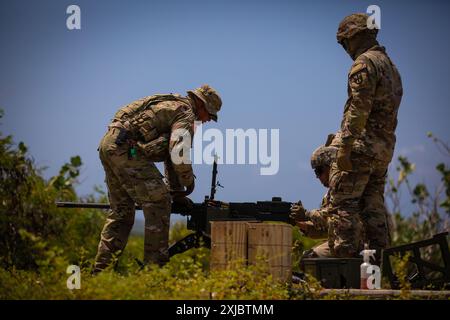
(276, 64)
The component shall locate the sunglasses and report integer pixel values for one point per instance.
(343, 43)
(318, 171)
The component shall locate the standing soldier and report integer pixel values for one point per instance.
(366, 139)
(365, 145)
(141, 133)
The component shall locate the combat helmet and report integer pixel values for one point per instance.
(323, 156)
(210, 98)
(352, 25)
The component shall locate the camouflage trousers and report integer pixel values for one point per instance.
(358, 212)
(130, 181)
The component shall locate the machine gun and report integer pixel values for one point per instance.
(199, 215)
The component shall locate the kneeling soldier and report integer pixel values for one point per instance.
(344, 232)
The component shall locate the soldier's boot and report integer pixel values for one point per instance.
(319, 251)
(156, 237)
(114, 238)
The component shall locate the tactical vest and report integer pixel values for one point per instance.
(138, 117)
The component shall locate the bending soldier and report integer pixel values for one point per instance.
(141, 133)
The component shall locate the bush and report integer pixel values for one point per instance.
(432, 213)
(34, 232)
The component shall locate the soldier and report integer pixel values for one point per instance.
(344, 232)
(365, 143)
(141, 133)
(366, 139)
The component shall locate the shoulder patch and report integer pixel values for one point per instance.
(358, 77)
(357, 68)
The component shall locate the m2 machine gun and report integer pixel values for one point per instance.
(199, 215)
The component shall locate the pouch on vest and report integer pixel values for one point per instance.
(156, 150)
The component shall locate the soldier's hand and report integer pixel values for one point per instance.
(343, 159)
(184, 202)
(298, 213)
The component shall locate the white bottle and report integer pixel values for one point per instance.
(366, 253)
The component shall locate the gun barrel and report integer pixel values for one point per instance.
(176, 208)
(62, 204)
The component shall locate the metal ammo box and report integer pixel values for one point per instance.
(334, 273)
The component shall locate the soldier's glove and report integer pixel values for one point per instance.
(184, 202)
(298, 213)
(343, 159)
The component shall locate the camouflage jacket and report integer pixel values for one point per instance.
(153, 117)
(370, 114)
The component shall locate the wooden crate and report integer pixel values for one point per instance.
(228, 244)
(271, 243)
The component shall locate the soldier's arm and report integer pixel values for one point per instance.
(171, 176)
(318, 219)
(362, 85)
(316, 225)
(183, 123)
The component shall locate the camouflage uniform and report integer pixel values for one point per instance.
(368, 131)
(138, 136)
(321, 228)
